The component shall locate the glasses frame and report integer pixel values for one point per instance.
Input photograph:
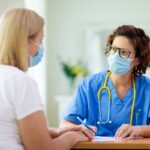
(109, 48)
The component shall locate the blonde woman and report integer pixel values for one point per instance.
(22, 121)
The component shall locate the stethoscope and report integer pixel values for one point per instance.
(105, 87)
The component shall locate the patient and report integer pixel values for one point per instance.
(22, 121)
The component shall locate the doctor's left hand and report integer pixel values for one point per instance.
(128, 132)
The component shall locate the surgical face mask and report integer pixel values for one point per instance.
(34, 60)
(119, 65)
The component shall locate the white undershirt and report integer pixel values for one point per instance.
(19, 97)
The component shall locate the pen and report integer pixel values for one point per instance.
(82, 122)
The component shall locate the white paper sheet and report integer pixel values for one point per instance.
(103, 138)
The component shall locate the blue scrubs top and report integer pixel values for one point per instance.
(85, 104)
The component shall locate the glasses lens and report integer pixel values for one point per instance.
(113, 49)
(124, 53)
(110, 49)
(107, 50)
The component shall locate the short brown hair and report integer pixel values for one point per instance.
(140, 42)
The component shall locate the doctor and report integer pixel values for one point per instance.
(117, 100)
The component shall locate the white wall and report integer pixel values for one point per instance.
(6, 4)
(67, 21)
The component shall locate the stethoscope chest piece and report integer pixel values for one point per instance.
(104, 122)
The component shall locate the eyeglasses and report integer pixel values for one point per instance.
(124, 53)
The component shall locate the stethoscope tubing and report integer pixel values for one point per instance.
(104, 87)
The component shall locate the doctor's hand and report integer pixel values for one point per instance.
(89, 133)
(128, 132)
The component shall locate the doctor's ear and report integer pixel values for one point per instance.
(136, 61)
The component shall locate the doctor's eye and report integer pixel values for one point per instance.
(124, 53)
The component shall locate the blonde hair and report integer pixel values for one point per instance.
(17, 26)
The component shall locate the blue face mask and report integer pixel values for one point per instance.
(118, 65)
(34, 60)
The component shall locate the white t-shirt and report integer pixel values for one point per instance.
(19, 97)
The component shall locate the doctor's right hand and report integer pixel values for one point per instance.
(89, 133)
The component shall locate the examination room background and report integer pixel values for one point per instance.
(69, 29)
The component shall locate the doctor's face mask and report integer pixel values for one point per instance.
(119, 65)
